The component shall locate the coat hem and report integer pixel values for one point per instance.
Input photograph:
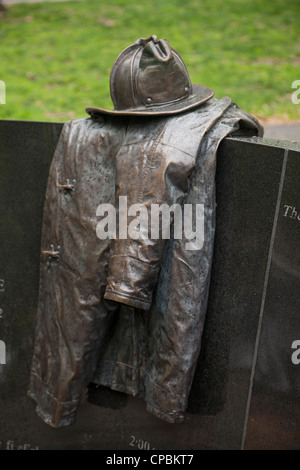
(52, 411)
(111, 375)
(169, 417)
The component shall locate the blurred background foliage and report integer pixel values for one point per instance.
(55, 58)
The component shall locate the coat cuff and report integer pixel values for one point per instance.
(131, 281)
(120, 296)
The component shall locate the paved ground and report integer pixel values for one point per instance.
(289, 132)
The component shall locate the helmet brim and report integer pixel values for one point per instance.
(200, 95)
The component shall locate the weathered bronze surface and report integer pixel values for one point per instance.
(126, 313)
(150, 78)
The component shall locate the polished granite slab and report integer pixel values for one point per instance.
(246, 390)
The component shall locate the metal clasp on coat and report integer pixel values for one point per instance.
(52, 253)
(67, 186)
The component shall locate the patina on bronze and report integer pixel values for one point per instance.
(129, 314)
(150, 78)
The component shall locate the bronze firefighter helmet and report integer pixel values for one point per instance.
(150, 78)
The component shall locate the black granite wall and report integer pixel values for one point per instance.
(246, 391)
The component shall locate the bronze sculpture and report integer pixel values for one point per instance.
(150, 78)
(128, 312)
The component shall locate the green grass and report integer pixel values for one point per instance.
(55, 58)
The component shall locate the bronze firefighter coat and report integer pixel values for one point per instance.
(126, 313)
